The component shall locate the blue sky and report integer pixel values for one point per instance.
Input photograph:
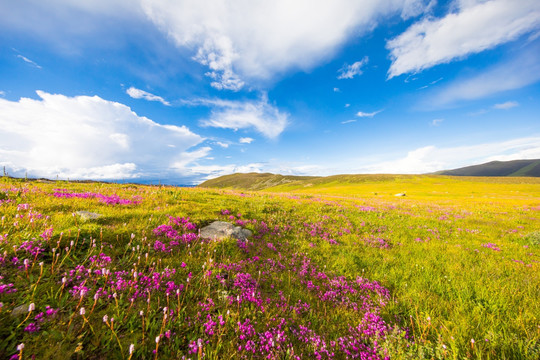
(186, 90)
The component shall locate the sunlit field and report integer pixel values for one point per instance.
(343, 270)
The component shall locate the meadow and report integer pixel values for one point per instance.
(340, 269)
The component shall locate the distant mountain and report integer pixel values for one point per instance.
(498, 168)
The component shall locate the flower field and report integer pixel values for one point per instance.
(327, 274)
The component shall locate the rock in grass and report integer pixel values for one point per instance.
(87, 215)
(220, 230)
(20, 310)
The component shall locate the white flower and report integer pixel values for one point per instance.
(157, 339)
(20, 346)
(82, 311)
(31, 307)
(141, 313)
(131, 349)
(105, 318)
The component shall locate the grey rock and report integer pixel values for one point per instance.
(220, 230)
(20, 310)
(87, 215)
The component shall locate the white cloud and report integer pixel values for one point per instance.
(350, 71)
(337, 90)
(436, 122)
(259, 115)
(238, 41)
(477, 25)
(222, 144)
(87, 137)
(2, 93)
(366, 114)
(518, 72)
(431, 158)
(422, 160)
(348, 121)
(246, 140)
(506, 105)
(187, 158)
(28, 61)
(141, 94)
(252, 40)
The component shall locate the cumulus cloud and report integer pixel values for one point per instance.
(350, 71)
(239, 40)
(141, 94)
(477, 25)
(258, 115)
(506, 105)
(87, 138)
(366, 114)
(246, 140)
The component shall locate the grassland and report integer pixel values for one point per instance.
(337, 268)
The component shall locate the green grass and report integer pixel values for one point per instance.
(459, 258)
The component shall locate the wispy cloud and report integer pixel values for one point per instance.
(436, 122)
(222, 144)
(336, 89)
(28, 61)
(259, 115)
(367, 114)
(348, 121)
(475, 26)
(520, 71)
(506, 105)
(141, 94)
(87, 137)
(350, 71)
(245, 140)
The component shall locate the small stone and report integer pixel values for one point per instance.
(87, 215)
(220, 230)
(20, 310)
